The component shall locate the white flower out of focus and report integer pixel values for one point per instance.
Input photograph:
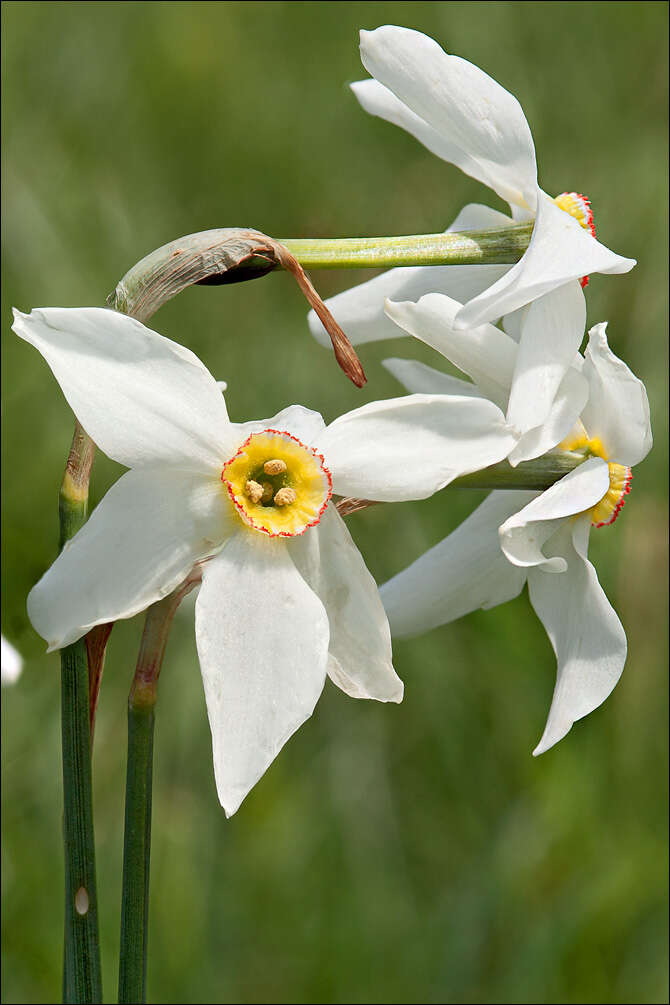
(11, 663)
(466, 118)
(516, 537)
(285, 598)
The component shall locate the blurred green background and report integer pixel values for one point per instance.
(391, 854)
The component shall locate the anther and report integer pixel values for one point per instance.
(274, 467)
(268, 492)
(285, 497)
(254, 491)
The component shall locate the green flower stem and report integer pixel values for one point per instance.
(538, 474)
(233, 254)
(499, 246)
(535, 475)
(82, 978)
(137, 836)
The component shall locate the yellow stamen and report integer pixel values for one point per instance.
(274, 467)
(285, 497)
(254, 491)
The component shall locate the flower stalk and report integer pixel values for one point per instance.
(137, 836)
(82, 978)
(536, 475)
(496, 246)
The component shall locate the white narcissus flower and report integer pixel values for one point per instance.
(465, 117)
(285, 597)
(542, 539)
(11, 663)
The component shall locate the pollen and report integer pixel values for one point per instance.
(613, 501)
(285, 497)
(274, 467)
(277, 484)
(254, 491)
(579, 207)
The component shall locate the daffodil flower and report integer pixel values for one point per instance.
(542, 539)
(465, 117)
(285, 597)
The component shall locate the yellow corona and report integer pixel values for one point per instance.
(278, 485)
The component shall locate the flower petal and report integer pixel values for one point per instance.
(559, 250)
(584, 630)
(551, 335)
(421, 379)
(465, 571)
(486, 354)
(378, 100)
(142, 398)
(618, 408)
(567, 406)
(262, 637)
(360, 310)
(524, 534)
(408, 448)
(360, 641)
(481, 124)
(295, 419)
(140, 542)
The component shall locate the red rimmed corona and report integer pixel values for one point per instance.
(278, 485)
(611, 504)
(579, 207)
(620, 476)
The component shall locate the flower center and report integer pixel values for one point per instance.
(579, 207)
(278, 485)
(611, 504)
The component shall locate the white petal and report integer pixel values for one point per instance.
(143, 399)
(585, 632)
(139, 543)
(360, 310)
(295, 419)
(566, 408)
(476, 216)
(618, 407)
(262, 637)
(11, 663)
(486, 354)
(408, 448)
(559, 250)
(512, 324)
(421, 379)
(551, 335)
(482, 124)
(360, 640)
(522, 536)
(380, 101)
(465, 571)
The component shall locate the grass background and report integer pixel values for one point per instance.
(391, 854)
